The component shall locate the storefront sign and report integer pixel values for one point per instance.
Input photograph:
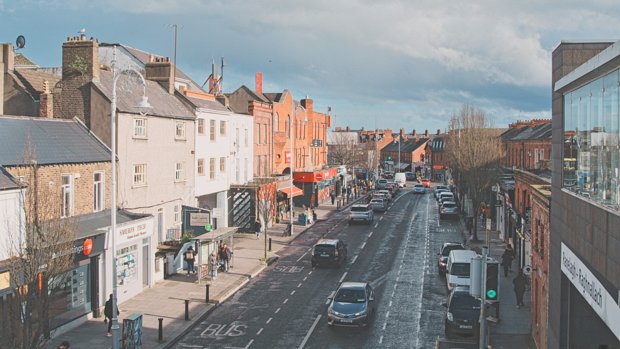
(134, 232)
(199, 219)
(84, 248)
(591, 289)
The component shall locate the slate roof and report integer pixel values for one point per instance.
(7, 181)
(87, 224)
(274, 97)
(19, 60)
(437, 144)
(207, 104)
(162, 103)
(54, 141)
(33, 80)
(240, 105)
(406, 147)
(541, 131)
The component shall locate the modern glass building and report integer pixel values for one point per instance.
(584, 257)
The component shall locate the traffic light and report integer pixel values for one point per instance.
(492, 285)
(389, 158)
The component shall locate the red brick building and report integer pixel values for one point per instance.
(540, 196)
(527, 145)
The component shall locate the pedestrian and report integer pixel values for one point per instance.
(213, 265)
(333, 196)
(257, 228)
(226, 254)
(107, 313)
(512, 253)
(519, 287)
(314, 216)
(190, 258)
(64, 345)
(506, 261)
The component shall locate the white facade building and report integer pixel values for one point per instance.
(11, 215)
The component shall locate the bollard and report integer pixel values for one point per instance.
(207, 293)
(160, 333)
(269, 244)
(187, 310)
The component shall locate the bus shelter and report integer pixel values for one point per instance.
(211, 241)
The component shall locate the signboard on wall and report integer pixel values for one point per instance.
(197, 218)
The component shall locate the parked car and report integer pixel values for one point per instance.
(419, 189)
(410, 176)
(361, 212)
(386, 193)
(439, 191)
(400, 179)
(441, 186)
(381, 184)
(378, 204)
(426, 182)
(353, 305)
(448, 210)
(442, 256)
(445, 195)
(462, 314)
(444, 200)
(329, 252)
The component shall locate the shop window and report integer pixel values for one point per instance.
(126, 265)
(69, 295)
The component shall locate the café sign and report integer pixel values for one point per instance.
(591, 289)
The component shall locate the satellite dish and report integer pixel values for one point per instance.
(20, 42)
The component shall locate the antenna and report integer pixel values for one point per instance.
(221, 83)
(20, 42)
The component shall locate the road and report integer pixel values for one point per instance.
(286, 306)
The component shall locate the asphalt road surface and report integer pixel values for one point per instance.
(286, 306)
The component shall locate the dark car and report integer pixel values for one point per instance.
(352, 305)
(410, 176)
(329, 252)
(444, 252)
(462, 315)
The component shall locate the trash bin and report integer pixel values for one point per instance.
(302, 219)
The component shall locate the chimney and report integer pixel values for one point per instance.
(160, 70)
(46, 102)
(307, 104)
(425, 133)
(402, 132)
(414, 133)
(438, 131)
(259, 83)
(80, 66)
(348, 129)
(6, 65)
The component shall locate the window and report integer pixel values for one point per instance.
(212, 168)
(180, 130)
(257, 133)
(201, 126)
(265, 134)
(245, 171)
(542, 154)
(212, 130)
(98, 191)
(179, 173)
(67, 196)
(276, 121)
(223, 128)
(139, 174)
(222, 165)
(237, 177)
(288, 127)
(201, 167)
(246, 137)
(139, 128)
(177, 214)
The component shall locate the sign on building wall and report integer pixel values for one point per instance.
(591, 289)
(196, 218)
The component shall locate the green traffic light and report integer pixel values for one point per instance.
(491, 294)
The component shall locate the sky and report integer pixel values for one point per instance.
(377, 64)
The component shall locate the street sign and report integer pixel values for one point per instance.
(208, 227)
(217, 212)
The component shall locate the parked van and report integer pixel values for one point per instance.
(457, 270)
(400, 179)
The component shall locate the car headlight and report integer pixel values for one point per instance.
(361, 313)
(452, 284)
(450, 317)
(330, 311)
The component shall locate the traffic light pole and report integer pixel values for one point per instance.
(483, 292)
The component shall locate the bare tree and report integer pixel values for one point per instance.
(345, 149)
(40, 253)
(266, 207)
(473, 153)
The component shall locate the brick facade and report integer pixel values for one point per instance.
(541, 195)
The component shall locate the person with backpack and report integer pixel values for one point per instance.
(189, 258)
(107, 312)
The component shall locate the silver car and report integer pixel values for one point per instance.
(419, 189)
(448, 209)
(378, 204)
(353, 305)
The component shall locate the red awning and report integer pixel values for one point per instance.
(296, 191)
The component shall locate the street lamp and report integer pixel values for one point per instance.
(144, 103)
(398, 141)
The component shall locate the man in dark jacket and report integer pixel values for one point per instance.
(519, 287)
(506, 261)
(107, 312)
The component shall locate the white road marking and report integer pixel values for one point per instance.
(305, 278)
(259, 331)
(292, 292)
(399, 272)
(381, 218)
(251, 341)
(393, 294)
(343, 276)
(277, 311)
(286, 300)
(316, 321)
(390, 303)
(302, 256)
(269, 320)
(384, 325)
(310, 272)
(387, 315)
(380, 339)
(398, 279)
(363, 245)
(376, 224)
(354, 259)
(298, 286)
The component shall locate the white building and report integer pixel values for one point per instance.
(11, 215)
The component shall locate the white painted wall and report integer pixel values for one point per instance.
(11, 222)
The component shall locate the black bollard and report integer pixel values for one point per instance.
(269, 244)
(207, 293)
(187, 310)
(160, 333)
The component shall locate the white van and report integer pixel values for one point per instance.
(400, 179)
(457, 270)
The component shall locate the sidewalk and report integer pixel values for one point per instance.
(166, 299)
(513, 329)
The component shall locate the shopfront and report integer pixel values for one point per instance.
(316, 186)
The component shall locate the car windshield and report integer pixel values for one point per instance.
(463, 301)
(323, 249)
(447, 249)
(376, 201)
(419, 186)
(359, 209)
(460, 269)
(350, 295)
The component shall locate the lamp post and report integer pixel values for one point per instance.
(398, 141)
(292, 138)
(144, 103)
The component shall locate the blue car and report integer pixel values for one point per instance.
(352, 305)
(419, 189)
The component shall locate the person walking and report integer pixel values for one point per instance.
(226, 254)
(257, 228)
(333, 196)
(213, 265)
(506, 261)
(519, 287)
(107, 313)
(190, 258)
(512, 254)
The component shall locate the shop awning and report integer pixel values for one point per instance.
(287, 191)
(217, 234)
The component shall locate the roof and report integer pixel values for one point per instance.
(406, 147)
(87, 224)
(162, 103)
(53, 141)
(542, 131)
(19, 60)
(207, 104)
(274, 97)
(7, 182)
(352, 284)
(240, 105)
(437, 144)
(34, 79)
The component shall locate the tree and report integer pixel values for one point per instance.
(266, 207)
(473, 153)
(40, 253)
(345, 149)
